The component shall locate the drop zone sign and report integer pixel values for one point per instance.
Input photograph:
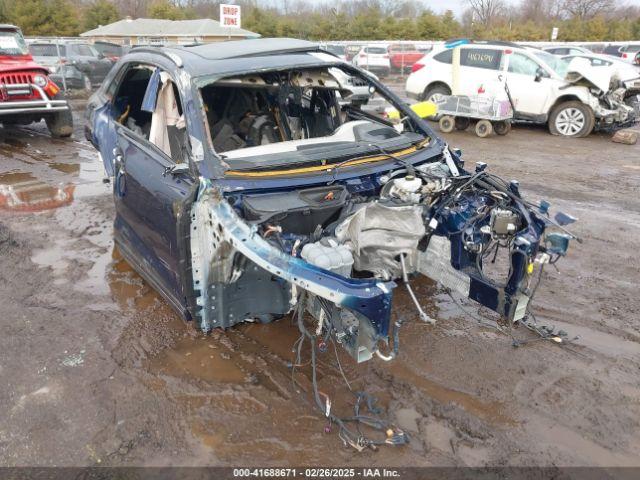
(229, 15)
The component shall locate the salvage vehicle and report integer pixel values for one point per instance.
(630, 53)
(402, 56)
(80, 63)
(374, 58)
(27, 94)
(245, 190)
(562, 50)
(112, 51)
(67, 75)
(618, 72)
(572, 99)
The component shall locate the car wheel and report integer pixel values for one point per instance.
(436, 93)
(60, 124)
(571, 119)
(86, 82)
(502, 128)
(484, 128)
(462, 123)
(447, 123)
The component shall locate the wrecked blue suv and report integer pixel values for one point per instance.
(253, 178)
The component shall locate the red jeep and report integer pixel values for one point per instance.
(26, 93)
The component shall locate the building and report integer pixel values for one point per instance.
(149, 31)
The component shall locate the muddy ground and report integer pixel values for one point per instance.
(96, 369)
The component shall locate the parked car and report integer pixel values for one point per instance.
(373, 58)
(402, 56)
(613, 49)
(66, 75)
(562, 50)
(82, 57)
(544, 89)
(629, 53)
(112, 51)
(338, 50)
(27, 94)
(351, 51)
(265, 196)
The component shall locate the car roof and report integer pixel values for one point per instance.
(7, 26)
(240, 55)
(245, 48)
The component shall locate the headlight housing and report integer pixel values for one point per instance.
(40, 80)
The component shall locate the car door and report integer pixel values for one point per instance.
(529, 91)
(480, 70)
(103, 64)
(149, 198)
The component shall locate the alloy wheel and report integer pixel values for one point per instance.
(570, 121)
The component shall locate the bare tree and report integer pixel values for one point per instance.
(486, 11)
(540, 11)
(588, 8)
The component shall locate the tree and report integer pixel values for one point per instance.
(45, 17)
(486, 11)
(428, 26)
(32, 16)
(4, 11)
(165, 10)
(101, 12)
(584, 9)
(64, 19)
(450, 27)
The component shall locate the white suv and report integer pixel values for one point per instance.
(544, 89)
(374, 58)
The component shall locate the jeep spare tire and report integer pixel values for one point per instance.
(60, 123)
(571, 119)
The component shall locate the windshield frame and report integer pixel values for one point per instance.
(219, 165)
(23, 48)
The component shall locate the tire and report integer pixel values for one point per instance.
(502, 128)
(436, 91)
(447, 122)
(60, 124)
(462, 123)
(572, 119)
(484, 128)
(432, 93)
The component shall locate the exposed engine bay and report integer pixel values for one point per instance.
(327, 208)
(618, 103)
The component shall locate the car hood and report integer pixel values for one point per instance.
(19, 64)
(581, 72)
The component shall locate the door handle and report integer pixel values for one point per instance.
(119, 185)
(118, 159)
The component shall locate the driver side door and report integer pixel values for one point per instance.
(150, 198)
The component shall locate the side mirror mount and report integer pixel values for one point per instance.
(176, 169)
(539, 74)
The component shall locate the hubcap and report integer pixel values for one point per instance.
(570, 121)
(435, 97)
